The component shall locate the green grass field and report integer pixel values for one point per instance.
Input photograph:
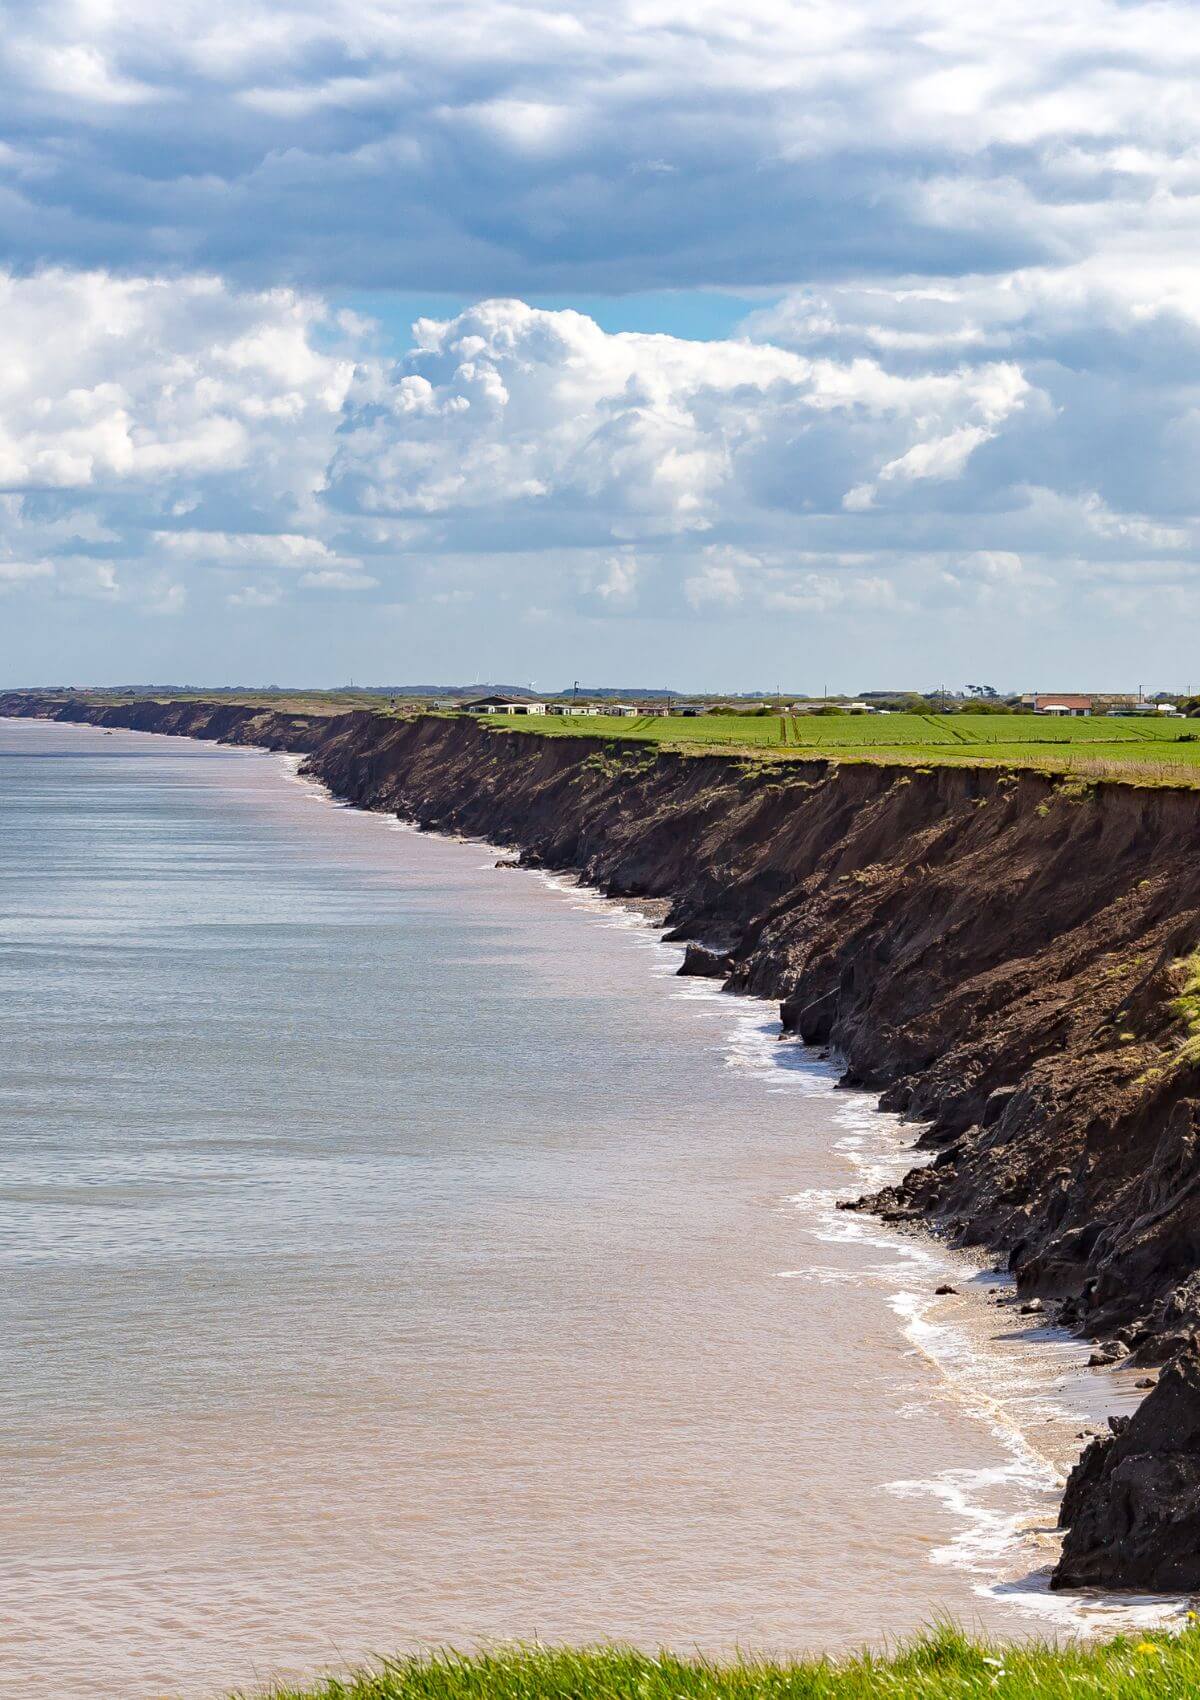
(945, 1665)
(1130, 748)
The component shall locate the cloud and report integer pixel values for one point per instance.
(150, 381)
(164, 425)
(255, 596)
(490, 147)
(577, 436)
(618, 584)
(939, 447)
(717, 582)
(1096, 461)
(21, 572)
(222, 549)
(163, 595)
(336, 578)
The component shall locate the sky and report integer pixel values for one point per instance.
(789, 345)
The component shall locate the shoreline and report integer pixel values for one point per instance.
(1063, 1392)
(997, 956)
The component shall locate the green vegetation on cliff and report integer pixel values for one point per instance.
(1137, 750)
(1101, 748)
(944, 1665)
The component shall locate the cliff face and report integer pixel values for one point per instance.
(1002, 956)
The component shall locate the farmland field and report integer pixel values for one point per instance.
(1135, 748)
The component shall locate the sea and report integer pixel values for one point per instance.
(396, 1252)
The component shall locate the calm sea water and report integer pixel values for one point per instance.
(395, 1252)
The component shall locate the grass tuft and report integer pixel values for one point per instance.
(1185, 1007)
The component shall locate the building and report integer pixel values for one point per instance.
(504, 705)
(1062, 704)
(623, 710)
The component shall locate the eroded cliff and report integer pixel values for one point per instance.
(1004, 956)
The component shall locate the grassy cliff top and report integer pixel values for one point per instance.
(944, 1665)
(1134, 749)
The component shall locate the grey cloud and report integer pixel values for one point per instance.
(485, 148)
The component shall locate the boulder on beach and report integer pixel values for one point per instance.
(1132, 1504)
(706, 962)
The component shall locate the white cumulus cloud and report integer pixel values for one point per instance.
(149, 421)
(574, 433)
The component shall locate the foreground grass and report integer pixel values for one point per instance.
(942, 1664)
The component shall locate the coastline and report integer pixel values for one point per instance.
(1013, 1386)
(996, 955)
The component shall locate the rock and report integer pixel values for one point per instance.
(508, 862)
(1035, 1307)
(996, 1105)
(1132, 1504)
(705, 963)
(812, 1019)
(1146, 1381)
(945, 1288)
(1109, 1352)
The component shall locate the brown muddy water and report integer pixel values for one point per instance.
(396, 1252)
